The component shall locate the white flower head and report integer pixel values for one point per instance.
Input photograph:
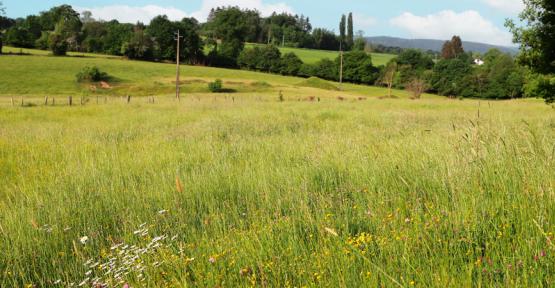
(84, 240)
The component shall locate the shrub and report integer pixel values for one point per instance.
(57, 44)
(215, 86)
(291, 64)
(91, 74)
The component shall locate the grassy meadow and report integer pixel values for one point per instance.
(328, 188)
(311, 56)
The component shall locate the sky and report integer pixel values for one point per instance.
(473, 20)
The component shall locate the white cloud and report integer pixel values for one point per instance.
(363, 22)
(130, 14)
(470, 25)
(265, 9)
(510, 6)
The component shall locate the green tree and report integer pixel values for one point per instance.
(537, 46)
(358, 68)
(95, 33)
(19, 36)
(325, 39)
(249, 58)
(342, 29)
(191, 48)
(65, 21)
(350, 32)
(140, 46)
(537, 37)
(291, 64)
(325, 69)
(115, 35)
(360, 42)
(270, 60)
(57, 43)
(450, 75)
(228, 25)
(162, 31)
(412, 64)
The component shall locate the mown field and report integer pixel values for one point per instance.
(311, 56)
(241, 189)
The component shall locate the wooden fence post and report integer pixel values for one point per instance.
(45, 100)
(53, 101)
(128, 99)
(13, 103)
(70, 100)
(22, 101)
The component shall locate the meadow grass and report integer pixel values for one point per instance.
(39, 76)
(241, 189)
(311, 56)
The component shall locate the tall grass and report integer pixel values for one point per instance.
(282, 194)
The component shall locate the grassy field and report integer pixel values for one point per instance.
(47, 75)
(312, 56)
(241, 189)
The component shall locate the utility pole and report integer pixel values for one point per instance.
(178, 39)
(283, 40)
(341, 66)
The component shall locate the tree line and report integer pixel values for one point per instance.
(221, 42)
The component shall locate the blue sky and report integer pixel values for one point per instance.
(473, 20)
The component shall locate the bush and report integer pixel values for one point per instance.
(57, 44)
(291, 64)
(91, 74)
(216, 86)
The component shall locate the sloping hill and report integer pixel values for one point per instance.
(434, 45)
(311, 56)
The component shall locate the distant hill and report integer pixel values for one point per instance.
(434, 45)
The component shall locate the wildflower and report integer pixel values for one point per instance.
(212, 260)
(84, 240)
(412, 283)
(57, 282)
(407, 220)
(162, 212)
(245, 271)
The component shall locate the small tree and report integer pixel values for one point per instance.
(388, 76)
(216, 86)
(417, 86)
(57, 44)
(291, 64)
